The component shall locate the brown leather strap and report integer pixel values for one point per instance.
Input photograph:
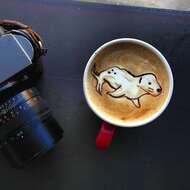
(12, 24)
(16, 25)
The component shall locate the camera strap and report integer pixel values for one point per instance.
(18, 28)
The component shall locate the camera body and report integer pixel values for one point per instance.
(27, 127)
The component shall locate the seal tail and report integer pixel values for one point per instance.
(98, 78)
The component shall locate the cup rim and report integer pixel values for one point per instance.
(152, 49)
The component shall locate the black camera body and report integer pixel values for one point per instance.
(27, 127)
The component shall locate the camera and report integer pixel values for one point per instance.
(27, 126)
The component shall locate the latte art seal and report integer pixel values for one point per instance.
(127, 82)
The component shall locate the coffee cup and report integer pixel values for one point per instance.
(127, 83)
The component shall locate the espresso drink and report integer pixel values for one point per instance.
(127, 83)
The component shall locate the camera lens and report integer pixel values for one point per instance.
(27, 127)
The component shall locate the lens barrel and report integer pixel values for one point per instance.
(27, 128)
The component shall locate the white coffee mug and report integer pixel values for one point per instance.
(106, 132)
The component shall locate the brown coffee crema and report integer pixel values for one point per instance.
(127, 83)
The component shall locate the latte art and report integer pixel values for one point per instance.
(127, 85)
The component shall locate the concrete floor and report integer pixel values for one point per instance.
(165, 4)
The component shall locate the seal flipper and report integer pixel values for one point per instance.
(99, 87)
(119, 92)
(136, 102)
(99, 79)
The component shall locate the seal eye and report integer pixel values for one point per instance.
(109, 72)
(149, 83)
(114, 73)
(112, 70)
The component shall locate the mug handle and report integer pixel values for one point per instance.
(105, 135)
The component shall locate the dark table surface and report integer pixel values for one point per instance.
(154, 157)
